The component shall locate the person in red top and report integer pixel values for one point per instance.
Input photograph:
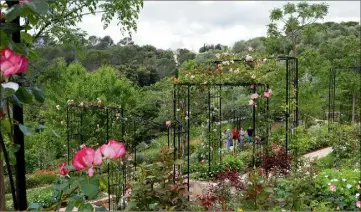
(235, 135)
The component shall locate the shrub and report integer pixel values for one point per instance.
(277, 160)
(339, 187)
(345, 142)
(222, 195)
(38, 179)
(43, 196)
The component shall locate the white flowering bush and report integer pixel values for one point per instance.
(341, 188)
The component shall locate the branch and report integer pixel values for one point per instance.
(56, 20)
(92, 13)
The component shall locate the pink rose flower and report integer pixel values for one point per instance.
(358, 204)
(24, 2)
(12, 63)
(254, 96)
(63, 170)
(168, 123)
(251, 102)
(87, 158)
(332, 188)
(113, 150)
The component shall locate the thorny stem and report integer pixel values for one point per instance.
(62, 200)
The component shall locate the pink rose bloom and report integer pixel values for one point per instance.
(168, 123)
(254, 96)
(24, 2)
(332, 188)
(251, 102)
(113, 150)
(12, 63)
(87, 158)
(358, 204)
(63, 170)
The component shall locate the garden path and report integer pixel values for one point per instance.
(318, 153)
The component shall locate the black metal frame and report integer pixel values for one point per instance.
(112, 126)
(292, 110)
(181, 129)
(332, 92)
(332, 98)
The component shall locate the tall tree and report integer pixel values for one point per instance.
(296, 19)
(60, 22)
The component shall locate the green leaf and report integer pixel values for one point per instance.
(268, 190)
(85, 207)
(89, 188)
(10, 28)
(100, 209)
(15, 100)
(32, 20)
(53, 131)
(14, 148)
(26, 130)
(24, 95)
(38, 6)
(33, 54)
(34, 206)
(6, 126)
(70, 206)
(38, 94)
(14, 12)
(26, 37)
(4, 40)
(132, 205)
(19, 48)
(62, 186)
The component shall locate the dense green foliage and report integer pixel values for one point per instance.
(138, 78)
(97, 71)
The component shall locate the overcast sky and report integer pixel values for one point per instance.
(190, 24)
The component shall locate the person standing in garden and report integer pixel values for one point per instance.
(242, 133)
(235, 136)
(250, 134)
(227, 133)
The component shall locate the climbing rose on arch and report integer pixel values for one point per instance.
(254, 96)
(113, 150)
(268, 93)
(12, 63)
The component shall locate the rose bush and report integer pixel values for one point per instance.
(73, 189)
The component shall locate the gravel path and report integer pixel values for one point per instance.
(319, 153)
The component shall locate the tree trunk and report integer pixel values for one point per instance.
(294, 46)
(353, 107)
(2, 184)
